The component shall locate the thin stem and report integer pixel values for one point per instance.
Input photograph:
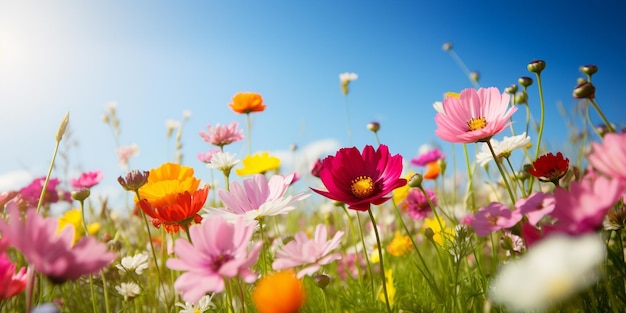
(506, 181)
(249, 131)
(367, 259)
(45, 184)
(263, 256)
(380, 256)
(353, 235)
(84, 222)
(104, 290)
(606, 121)
(186, 228)
(508, 160)
(463, 67)
(541, 124)
(470, 175)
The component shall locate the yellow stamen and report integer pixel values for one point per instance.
(362, 187)
(476, 123)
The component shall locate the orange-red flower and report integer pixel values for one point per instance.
(280, 292)
(550, 167)
(179, 213)
(246, 102)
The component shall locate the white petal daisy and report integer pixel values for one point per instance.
(501, 148)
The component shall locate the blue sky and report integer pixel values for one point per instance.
(159, 58)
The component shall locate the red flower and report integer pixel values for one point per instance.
(550, 168)
(359, 180)
(179, 213)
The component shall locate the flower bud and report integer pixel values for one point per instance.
(521, 98)
(584, 91)
(416, 180)
(525, 81)
(511, 89)
(447, 46)
(321, 280)
(373, 126)
(63, 126)
(293, 147)
(429, 233)
(589, 69)
(474, 76)
(580, 81)
(81, 195)
(134, 180)
(536, 66)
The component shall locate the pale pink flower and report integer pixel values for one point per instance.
(258, 197)
(11, 283)
(125, 153)
(219, 251)
(222, 135)
(582, 208)
(475, 116)
(50, 253)
(494, 217)
(536, 206)
(208, 156)
(312, 253)
(86, 180)
(609, 157)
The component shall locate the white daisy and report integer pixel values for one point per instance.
(501, 148)
(223, 161)
(128, 290)
(137, 263)
(348, 77)
(204, 304)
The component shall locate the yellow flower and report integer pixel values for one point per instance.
(258, 164)
(438, 233)
(391, 289)
(279, 292)
(166, 182)
(74, 217)
(400, 193)
(399, 245)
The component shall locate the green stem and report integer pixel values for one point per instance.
(606, 121)
(84, 222)
(470, 175)
(380, 256)
(353, 236)
(104, 290)
(367, 259)
(541, 124)
(506, 181)
(249, 130)
(508, 160)
(45, 184)
(263, 256)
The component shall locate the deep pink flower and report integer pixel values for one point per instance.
(536, 206)
(222, 135)
(86, 180)
(258, 197)
(32, 192)
(475, 116)
(316, 167)
(359, 180)
(206, 157)
(52, 254)
(417, 205)
(494, 217)
(310, 252)
(11, 283)
(428, 157)
(609, 157)
(583, 207)
(219, 251)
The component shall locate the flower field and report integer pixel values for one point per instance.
(527, 230)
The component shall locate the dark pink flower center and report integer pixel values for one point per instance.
(219, 260)
(362, 187)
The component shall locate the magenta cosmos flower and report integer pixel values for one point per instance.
(219, 250)
(475, 116)
(222, 135)
(50, 253)
(313, 253)
(417, 205)
(86, 180)
(536, 206)
(11, 283)
(360, 179)
(432, 155)
(494, 217)
(609, 157)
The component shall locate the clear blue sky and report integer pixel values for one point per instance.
(158, 58)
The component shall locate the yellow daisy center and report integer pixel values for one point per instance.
(362, 186)
(477, 123)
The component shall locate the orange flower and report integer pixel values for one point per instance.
(432, 170)
(279, 292)
(179, 213)
(246, 102)
(166, 182)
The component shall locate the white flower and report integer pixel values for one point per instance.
(204, 304)
(223, 161)
(348, 77)
(438, 106)
(128, 290)
(136, 263)
(186, 114)
(551, 271)
(503, 148)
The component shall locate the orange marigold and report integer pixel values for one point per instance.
(246, 102)
(279, 292)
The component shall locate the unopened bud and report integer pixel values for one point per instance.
(525, 81)
(474, 76)
(293, 147)
(373, 126)
(447, 46)
(589, 69)
(416, 180)
(63, 127)
(511, 89)
(429, 233)
(536, 66)
(584, 91)
(81, 195)
(521, 98)
(134, 180)
(321, 280)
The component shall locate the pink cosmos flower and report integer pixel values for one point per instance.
(475, 116)
(11, 283)
(494, 217)
(219, 251)
(310, 252)
(609, 157)
(582, 208)
(222, 135)
(429, 156)
(87, 180)
(207, 157)
(32, 192)
(417, 205)
(52, 254)
(258, 197)
(361, 179)
(536, 206)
